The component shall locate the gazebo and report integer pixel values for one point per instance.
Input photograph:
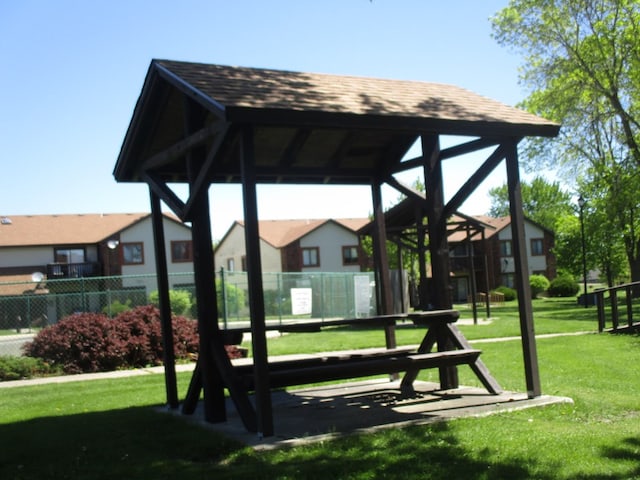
(406, 227)
(201, 125)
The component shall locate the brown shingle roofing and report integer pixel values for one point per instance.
(498, 224)
(251, 88)
(279, 233)
(33, 230)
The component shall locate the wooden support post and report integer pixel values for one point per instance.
(164, 303)
(256, 294)
(615, 318)
(204, 276)
(629, 292)
(518, 240)
(423, 290)
(600, 306)
(381, 264)
(487, 285)
(472, 275)
(438, 246)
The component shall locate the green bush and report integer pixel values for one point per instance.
(19, 368)
(116, 307)
(181, 301)
(563, 286)
(509, 293)
(538, 284)
(233, 295)
(275, 304)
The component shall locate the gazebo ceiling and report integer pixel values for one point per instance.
(308, 128)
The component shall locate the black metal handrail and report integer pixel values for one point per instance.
(72, 270)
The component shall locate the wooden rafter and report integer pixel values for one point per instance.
(202, 176)
(167, 195)
(290, 154)
(180, 148)
(476, 179)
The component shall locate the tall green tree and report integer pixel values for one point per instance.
(582, 67)
(542, 201)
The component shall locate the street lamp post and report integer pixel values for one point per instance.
(581, 203)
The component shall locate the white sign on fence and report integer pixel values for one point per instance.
(300, 301)
(362, 295)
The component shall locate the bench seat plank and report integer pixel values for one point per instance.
(339, 368)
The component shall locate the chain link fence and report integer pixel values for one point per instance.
(26, 307)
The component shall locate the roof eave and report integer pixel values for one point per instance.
(414, 125)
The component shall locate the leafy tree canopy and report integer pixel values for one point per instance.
(542, 201)
(581, 65)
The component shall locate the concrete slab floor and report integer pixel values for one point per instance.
(327, 412)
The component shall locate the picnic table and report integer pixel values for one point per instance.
(451, 350)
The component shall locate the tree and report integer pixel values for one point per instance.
(608, 246)
(542, 201)
(581, 64)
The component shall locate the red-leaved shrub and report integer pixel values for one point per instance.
(82, 342)
(93, 342)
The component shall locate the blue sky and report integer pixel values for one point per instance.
(72, 72)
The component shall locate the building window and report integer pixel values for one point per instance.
(243, 262)
(459, 250)
(132, 253)
(509, 280)
(537, 246)
(181, 251)
(231, 264)
(310, 257)
(505, 248)
(349, 255)
(68, 255)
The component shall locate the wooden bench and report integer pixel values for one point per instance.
(351, 364)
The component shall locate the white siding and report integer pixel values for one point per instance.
(26, 256)
(233, 248)
(536, 263)
(143, 232)
(330, 238)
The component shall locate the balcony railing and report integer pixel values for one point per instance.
(72, 270)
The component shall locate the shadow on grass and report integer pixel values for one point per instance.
(140, 443)
(133, 443)
(427, 452)
(627, 451)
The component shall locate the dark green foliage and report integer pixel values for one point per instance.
(563, 286)
(509, 293)
(92, 342)
(18, 368)
(275, 304)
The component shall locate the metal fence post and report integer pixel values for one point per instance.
(223, 290)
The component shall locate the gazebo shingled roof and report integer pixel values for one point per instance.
(308, 127)
(203, 124)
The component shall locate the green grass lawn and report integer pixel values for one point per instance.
(107, 429)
